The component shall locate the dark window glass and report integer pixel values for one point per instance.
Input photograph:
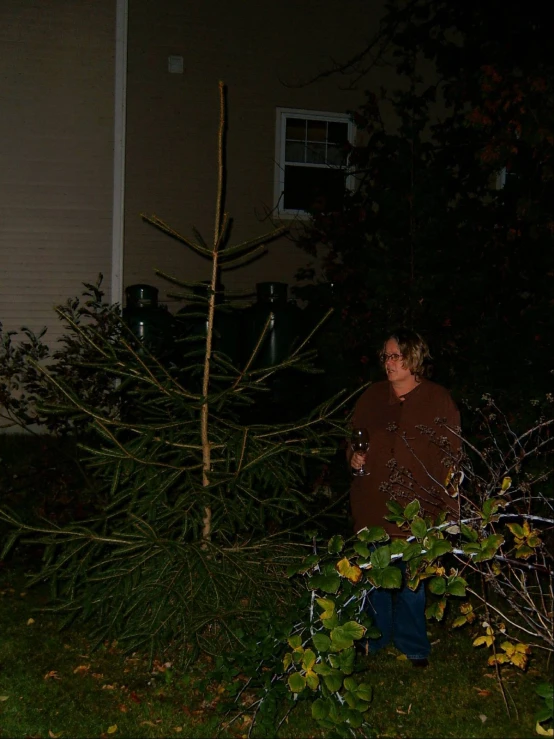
(313, 188)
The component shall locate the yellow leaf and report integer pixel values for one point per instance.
(112, 729)
(525, 648)
(30, 622)
(177, 728)
(80, 669)
(519, 660)
(52, 735)
(460, 621)
(349, 571)
(506, 482)
(287, 660)
(488, 640)
(312, 679)
(544, 732)
(3, 698)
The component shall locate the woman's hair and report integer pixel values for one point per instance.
(414, 350)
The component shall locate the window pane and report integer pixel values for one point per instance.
(315, 153)
(336, 155)
(313, 188)
(296, 129)
(317, 131)
(338, 133)
(295, 151)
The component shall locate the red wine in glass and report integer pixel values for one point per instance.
(359, 442)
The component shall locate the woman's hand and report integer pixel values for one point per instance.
(358, 460)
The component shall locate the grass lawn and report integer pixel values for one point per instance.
(53, 685)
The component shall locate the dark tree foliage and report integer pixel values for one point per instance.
(451, 227)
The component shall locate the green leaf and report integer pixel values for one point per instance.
(326, 603)
(471, 547)
(354, 718)
(333, 680)
(437, 585)
(391, 577)
(327, 583)
(350, 683)
(419, 528)
(456, 586)
(438, 548)
(343, 636)
(489, 547)
(544, 714)
(398, 546)
(412, 509)
(545, 690)
(373, 533)
(335, 545)
(297, 682)
(516, 530)
(320, 708)
(380, 557)
(321, 642)
(364, 692)
(308, 660)
(295, 641)
(322, 668)
(395, 507)
(412, 550)
(361, 549)
(468, 533)
(312, 680)
(346, 660)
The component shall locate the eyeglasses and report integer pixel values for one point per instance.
(393, 357)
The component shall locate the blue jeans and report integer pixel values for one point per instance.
(399, 614)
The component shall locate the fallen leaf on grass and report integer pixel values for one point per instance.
(134, 697)
(123, 708)
(108, 687)
(542, 731)
(52, 675)
(112, 729)
(482, 692)
(3, 698)
(30, 622)
(52, 735)
(482, 717)
(147, 723)
(80, 669)
(405, 713)
(98, 675)
(177, 728)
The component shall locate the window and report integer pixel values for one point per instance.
(311, 161)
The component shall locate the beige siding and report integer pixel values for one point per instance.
(56, 154)
(255, 47)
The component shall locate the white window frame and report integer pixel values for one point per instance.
(280, 139)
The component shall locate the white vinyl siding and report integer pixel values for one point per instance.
(56, 155)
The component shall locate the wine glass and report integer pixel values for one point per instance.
(359, 442)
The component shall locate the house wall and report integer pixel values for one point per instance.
(56, 154)
(263, 51)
